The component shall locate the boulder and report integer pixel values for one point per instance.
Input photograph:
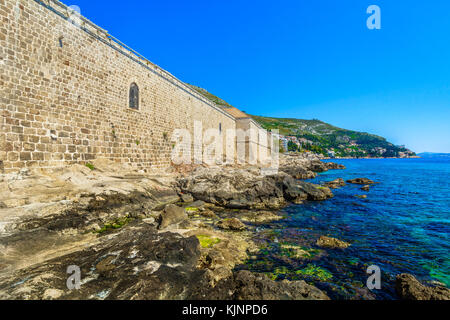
(172, 214)
(317, 166)
(363, 181)
(314, 192)
(208, 214)
(187, 198)
(365, 188)
(409, 288)
(335, 184)
(333, 243)
(231, 224)
(260, 217)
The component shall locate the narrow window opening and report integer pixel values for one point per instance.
(60, 41)
(134, 96)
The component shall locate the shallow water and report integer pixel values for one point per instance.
(402, 226)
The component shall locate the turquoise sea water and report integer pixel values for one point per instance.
(402, 226)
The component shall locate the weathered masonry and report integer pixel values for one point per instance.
(72, 93)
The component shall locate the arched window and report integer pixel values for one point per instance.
(134, 96)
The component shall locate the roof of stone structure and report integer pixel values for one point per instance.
(238, 114)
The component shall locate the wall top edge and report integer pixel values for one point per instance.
(66, 12)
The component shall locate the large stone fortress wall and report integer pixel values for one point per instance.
(65, 95)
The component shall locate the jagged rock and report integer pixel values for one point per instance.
(302, 167)
(328, 242)
(335, 184)
(246, 189)
(365, 188)
(409, 288)
(298, 172)
(172, 214)
(363, 181)
(317, 166)
(231, 224)
(251, 287)
(244, 285)
(315, 192)
(187, 198)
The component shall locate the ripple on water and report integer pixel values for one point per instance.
(403, 226)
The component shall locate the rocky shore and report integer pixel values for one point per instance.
(144, 235)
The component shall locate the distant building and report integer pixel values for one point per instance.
(284, 143)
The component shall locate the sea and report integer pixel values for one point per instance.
(402, 226)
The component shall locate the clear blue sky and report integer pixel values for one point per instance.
(304, 58)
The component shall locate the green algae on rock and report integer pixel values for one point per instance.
(207, 241)
(315, 272)
(116, 224)
(299, 252)
(277, 272)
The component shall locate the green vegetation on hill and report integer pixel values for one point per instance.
(210, 96)
(321, 137)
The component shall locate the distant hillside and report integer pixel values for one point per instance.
(434, 155)
(321, 137)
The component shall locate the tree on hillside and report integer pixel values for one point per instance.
(293, 147)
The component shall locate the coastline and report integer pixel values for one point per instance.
(349, 158)
(118, 223)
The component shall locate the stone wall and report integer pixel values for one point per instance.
(65, 94)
